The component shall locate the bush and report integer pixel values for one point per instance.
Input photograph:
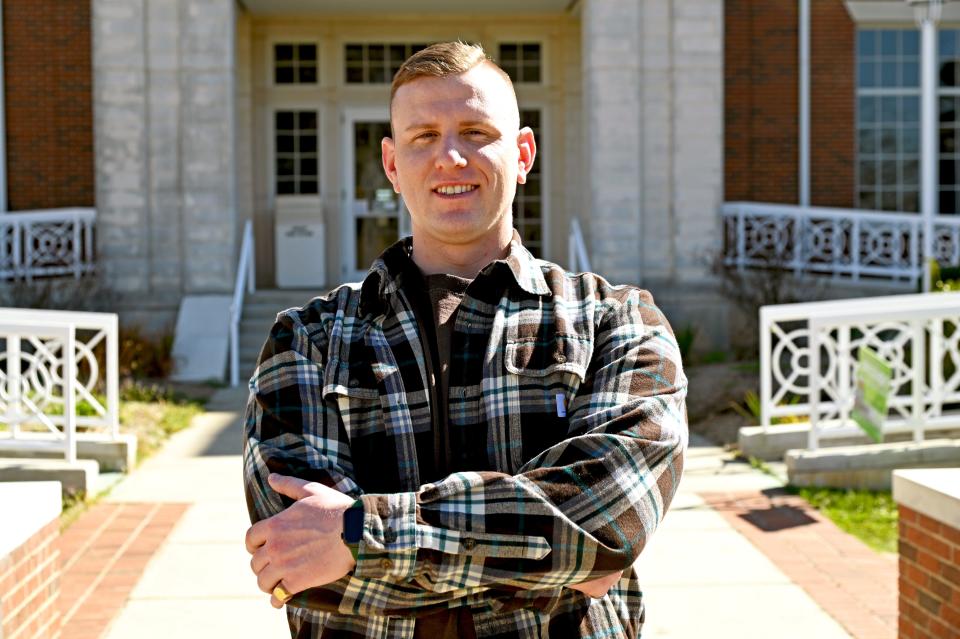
(143, 356)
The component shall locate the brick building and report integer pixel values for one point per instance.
(181, 120)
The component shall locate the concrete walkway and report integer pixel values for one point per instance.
(700, 574)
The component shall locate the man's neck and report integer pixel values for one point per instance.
(433, 257)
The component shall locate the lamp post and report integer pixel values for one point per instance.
(927, 14)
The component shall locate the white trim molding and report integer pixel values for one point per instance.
(894, 11)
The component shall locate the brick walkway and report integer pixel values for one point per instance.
(856, 585)
(103, 554)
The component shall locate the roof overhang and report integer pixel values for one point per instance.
(894, 11)
(417, 7)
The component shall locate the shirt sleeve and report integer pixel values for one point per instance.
(290, 430)
(581, 509)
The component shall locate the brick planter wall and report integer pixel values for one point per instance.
(929, 555)
(30, 586)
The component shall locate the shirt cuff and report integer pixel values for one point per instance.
(389, 545)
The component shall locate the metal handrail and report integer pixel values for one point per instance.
(577, 257)
(245, 272)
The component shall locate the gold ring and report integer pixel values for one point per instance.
(282, 594)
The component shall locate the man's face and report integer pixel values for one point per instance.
(457, 155)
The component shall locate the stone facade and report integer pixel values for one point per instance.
(164, 115)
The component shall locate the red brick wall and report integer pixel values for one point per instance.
(832, 100)
(49, 102)
(30, 586)
(761, 102)
(929, 577)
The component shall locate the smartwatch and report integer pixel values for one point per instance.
(353, 527)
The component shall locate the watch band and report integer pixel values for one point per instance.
(353, 527)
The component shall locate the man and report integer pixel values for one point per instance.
(473, 442)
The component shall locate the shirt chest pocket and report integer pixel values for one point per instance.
(546, 376)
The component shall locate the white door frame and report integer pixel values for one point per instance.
(348, 117)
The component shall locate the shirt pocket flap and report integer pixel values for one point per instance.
(350, 379)
(534, 358)
(483, 544)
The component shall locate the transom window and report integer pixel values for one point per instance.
(295, 63)
(521, 61)
(528, 203)
(296, 152)
(376, 63)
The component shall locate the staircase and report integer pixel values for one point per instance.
(259, 313)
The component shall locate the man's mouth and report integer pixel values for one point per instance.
(454, 189)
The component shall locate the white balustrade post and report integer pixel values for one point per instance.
(813, 439)
(113, 376)
(936, 367)
(855, 247)
(741, 240)
(845, 396)
(77, 257)
(234, 348)
(766, 371)
(251, 263)
(69, 399)
(918, 368)
(14, 384)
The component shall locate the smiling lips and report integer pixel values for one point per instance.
(455, 189)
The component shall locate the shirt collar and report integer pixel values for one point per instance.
(393, 265)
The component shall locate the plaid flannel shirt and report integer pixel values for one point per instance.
(568, 424)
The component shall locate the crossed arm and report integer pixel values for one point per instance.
(576, 515)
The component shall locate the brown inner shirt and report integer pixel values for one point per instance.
(446, 293)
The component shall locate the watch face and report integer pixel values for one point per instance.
(353, 524)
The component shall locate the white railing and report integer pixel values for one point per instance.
(577, 259)
(49, 366)
(844, 243)
(50, 242)
(245, 275)
(808, 354)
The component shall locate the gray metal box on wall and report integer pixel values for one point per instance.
(300, 243)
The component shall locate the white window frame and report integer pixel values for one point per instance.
(271, 126)
(544, 57)
(275, 39)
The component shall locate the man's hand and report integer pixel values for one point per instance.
(597, 588)
(300, 546)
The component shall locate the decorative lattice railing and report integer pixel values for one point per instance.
(58, 372)
(808, 355)
(844, 243)
(52, 242)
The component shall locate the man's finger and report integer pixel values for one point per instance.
(259, 561)
(292, 487)
(256, 536)
(276, 603)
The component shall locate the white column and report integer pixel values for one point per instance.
(928, 14)
(804, 103)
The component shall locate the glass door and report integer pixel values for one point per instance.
(374, 215)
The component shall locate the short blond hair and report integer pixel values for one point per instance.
(443, 59)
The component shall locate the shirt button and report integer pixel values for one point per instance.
(462, 393)
(469, 544)
(390, 535)
(354, 383)
(560, 358)
(386, 564)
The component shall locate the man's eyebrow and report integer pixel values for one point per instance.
(431, 125)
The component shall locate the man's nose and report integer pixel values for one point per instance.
(450, 157)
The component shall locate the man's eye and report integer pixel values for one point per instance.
(474, 132)
(426, 135)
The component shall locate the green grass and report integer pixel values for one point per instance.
(869, 516)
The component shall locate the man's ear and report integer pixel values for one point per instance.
(388, 151)
(528, 152)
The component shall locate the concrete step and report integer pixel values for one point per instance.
(118, 455)
(76, 477)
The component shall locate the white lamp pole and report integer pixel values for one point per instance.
(927, 13)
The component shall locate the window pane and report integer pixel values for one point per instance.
(354, 53)
(888, 74)
(889, 110)
(888, 141)
(376, 53)
(308, 120)
(397, 53)
(283, 75)
(308, 167)
(308, 75)
(307, 52)
(910, 74)
(947, 43)
(911, 109)
(531, 53)
(948, 201)
(910, 171)
(531, 73)
(888, 201)
(308, 144)
(284, 187)
(867, 109)
(866, 141)
(354, 75)
(866, 42)
(284, 120)
(947, 172)
(910, 141)
(867, 200)
(866, 72)
(284, 144)
(888, 172)
(868, 173)
(285, 166)
(910, 41)
(378, 75)
(888, 42)
(283, 52)
(910, 202)
(308, 187)
(508, 53)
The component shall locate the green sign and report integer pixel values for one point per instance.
(873, 392)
